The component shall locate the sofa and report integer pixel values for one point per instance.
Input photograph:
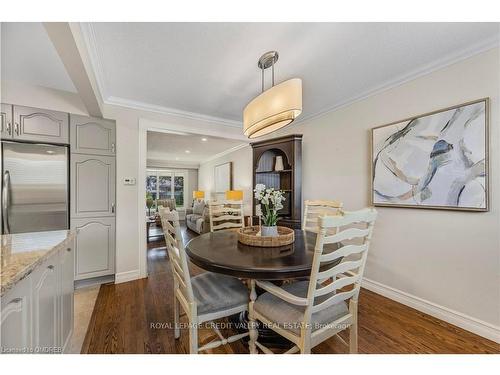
(197, 218)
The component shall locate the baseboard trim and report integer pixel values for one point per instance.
(123, 277)
(466, 322)
(79, 284)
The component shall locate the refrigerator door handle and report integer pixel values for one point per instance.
(6, 201)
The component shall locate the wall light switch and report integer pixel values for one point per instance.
(129, 181)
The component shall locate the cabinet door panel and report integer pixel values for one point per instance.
(40, 125)
(45, 307)
(92, 185)
(94, 247)
(6, 121)
(92, 136)
(67, 290)
(16, 319)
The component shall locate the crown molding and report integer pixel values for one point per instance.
(224, 153)
(141, 106)
(484, 46)
(90, 40)
(96, 62)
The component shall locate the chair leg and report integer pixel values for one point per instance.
(353, 329)
(193, 338)
(177, 332)
(305, 341)
(252, 325)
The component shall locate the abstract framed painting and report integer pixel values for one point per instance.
(436, 160)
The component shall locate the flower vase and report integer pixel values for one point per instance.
(269, 231)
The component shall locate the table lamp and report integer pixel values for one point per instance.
(234, 195)
(198, 194)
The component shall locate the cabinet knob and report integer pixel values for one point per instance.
(50, 267)
(16, 128)
(68, 249)
(9, 128)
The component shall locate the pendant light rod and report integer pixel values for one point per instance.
(267, 60)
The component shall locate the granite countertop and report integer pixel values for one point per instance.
(21, 253)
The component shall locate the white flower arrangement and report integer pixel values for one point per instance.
(271, 200)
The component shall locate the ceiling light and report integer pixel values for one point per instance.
(274, 108)
(187, 152)
(204, 139)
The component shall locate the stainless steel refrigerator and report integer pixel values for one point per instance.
(34, 187)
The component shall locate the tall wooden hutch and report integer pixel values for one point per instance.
(289, 180)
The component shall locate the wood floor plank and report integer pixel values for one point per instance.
(134, 317)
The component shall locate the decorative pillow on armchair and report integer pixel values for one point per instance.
(198, 207)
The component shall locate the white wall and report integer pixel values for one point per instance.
(242, 175)
(449, 259)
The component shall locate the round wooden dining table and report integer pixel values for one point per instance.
(221, 252)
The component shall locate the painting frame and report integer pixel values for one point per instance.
(486, 207)
(223, 171)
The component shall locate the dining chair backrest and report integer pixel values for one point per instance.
(353, 235)
(313, 209)
(225, 215)
(177, 255)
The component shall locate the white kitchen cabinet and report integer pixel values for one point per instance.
(92, 136)
(67, 261)
(94, 247)
(16, 326)
(40, 125)
(46, 292)
(37, 314)
(6, 121)
(92, 185)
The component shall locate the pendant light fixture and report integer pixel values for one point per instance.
(275, 107)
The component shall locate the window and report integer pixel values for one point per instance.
(164, 184)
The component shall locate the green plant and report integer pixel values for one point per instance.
(149, 202)
(271, 202)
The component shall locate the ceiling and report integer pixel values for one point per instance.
(172, 147)
(210, 69)
(28, 56)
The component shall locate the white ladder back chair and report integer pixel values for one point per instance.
(320, 309)
(225, 215)
(313, 209)
(203, 298)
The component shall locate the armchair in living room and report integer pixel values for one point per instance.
(197, 218)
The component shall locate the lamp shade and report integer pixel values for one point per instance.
(234, 195)
(198, 194)
(273, 109)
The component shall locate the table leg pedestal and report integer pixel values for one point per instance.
(252, 326)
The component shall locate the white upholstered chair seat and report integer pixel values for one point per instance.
(289, 316)
(215, 292)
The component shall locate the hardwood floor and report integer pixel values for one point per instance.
(135, 317)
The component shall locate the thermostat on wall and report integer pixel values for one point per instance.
(129, 181)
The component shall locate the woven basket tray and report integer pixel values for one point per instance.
(248, 236)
